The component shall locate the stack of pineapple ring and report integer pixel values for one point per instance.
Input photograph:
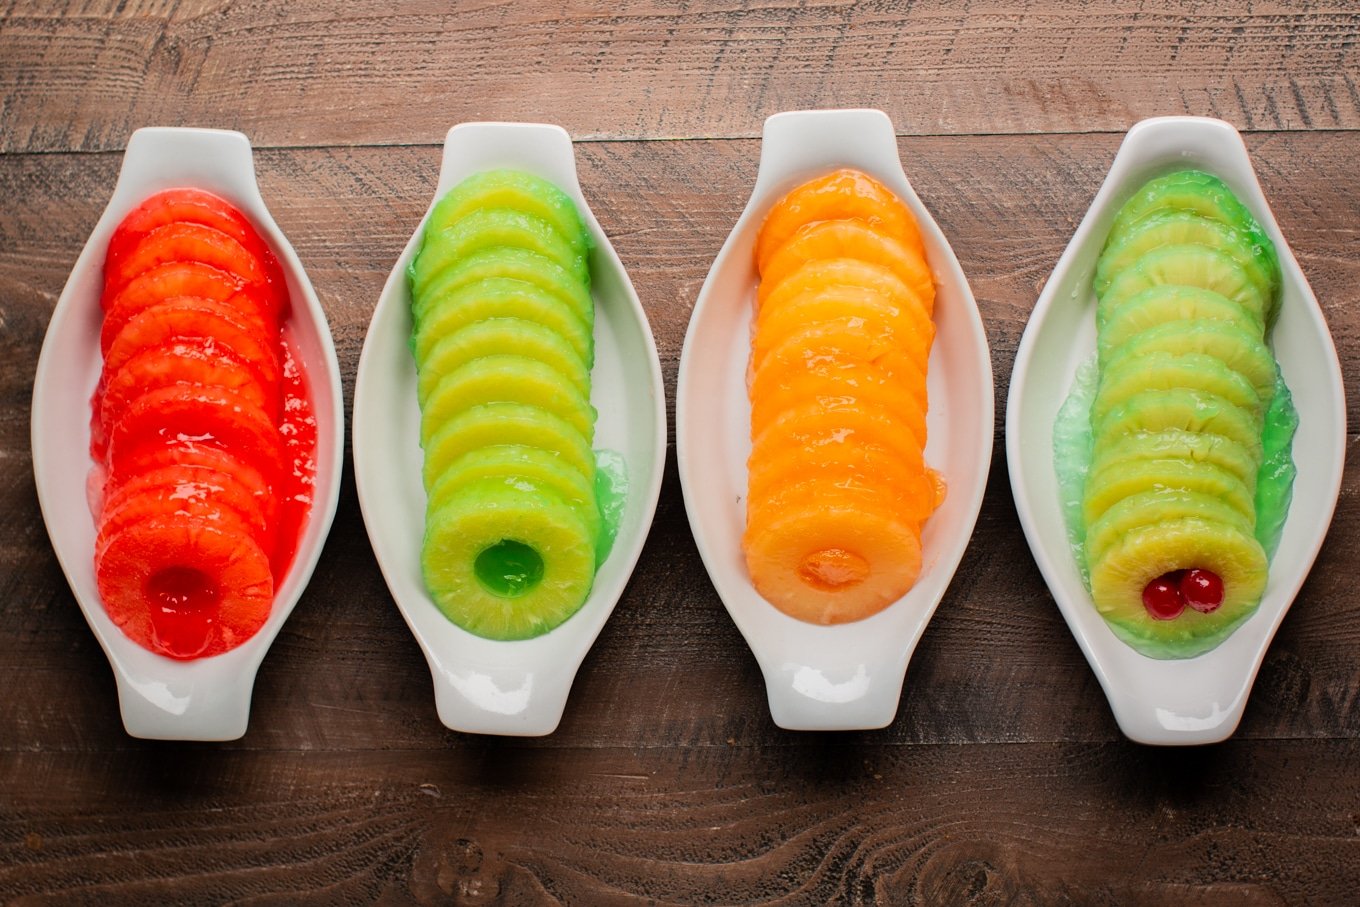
(503, 342)
(838, 486)
(1188, 285)
(186, 430)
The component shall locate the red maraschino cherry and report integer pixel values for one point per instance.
(1202, 590)
(1162, 597)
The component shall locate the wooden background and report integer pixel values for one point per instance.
(1004, 779)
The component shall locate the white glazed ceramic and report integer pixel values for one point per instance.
(1194, 700)
(162, 698)
(847, 676)
(481, 685)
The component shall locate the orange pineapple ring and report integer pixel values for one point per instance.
(811, 423)
(852, 239)
(828, 272)
(834, 555)
(778, 386)
(909, 491)
(841, 195)
(836, 345)
(857, 307)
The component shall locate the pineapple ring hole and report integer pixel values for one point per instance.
(182, 590)
(183, 604)
(509, 568)
(832, 569)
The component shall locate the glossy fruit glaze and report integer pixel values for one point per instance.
(202, 430)
(838, 486)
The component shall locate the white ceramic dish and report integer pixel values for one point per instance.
(161, 698)
(1194, 700)
(847, 676)
(481, 685)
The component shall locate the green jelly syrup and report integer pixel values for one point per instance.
(1072, 446)
(611, 492)
(509, 568)
(1275, 478)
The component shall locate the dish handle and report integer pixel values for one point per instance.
(200, 700)
(815, 684)
(517, 698)
(798, 143)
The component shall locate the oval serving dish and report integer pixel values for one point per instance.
(482, 685)
(1201, 699)
(162, 698)
(847, 676)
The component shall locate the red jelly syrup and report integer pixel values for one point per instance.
(298, 427)
(206, 459)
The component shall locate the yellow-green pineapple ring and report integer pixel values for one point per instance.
(510, 379)
(1119, 577)
(1178, 444)
(514, 463)
(502, 263)
(489, 229)
(1186, 265)
(501, 298)
(1162, 370)
(506, 423)
(502, 337)
(517, 191)
(1160, 305)
(507, 561)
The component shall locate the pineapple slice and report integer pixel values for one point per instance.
(1175, 228)
(506, 423)
(491, 228)
(513, 379)
(1159, 305)
(1160, 370)
(843, 195)
(831, 554)
(507, 560)
(852, 239)
(1166, 545)
(1109, 484)
(503, 336)
(501, 297)
(1188, 265)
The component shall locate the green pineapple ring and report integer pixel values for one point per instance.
(489, 229)
(497, 337)
(505, 379)
(506, 423)
(513, 463)
(1196, 446)
(1181, 228)
(1187, 265)
(1184, 410)
(501, 298)
(501, 263)
(1159, 305)
(1147, 508)
(1109, 484)
(1119, 577)
(517, 191)
(507, 561)
(1128, 375)
(1196, 192)
(1235, 348)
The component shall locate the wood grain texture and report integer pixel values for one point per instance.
(828, 822)
(82, 75)
(1004, 779)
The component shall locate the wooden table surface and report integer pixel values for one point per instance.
(1003, 780)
